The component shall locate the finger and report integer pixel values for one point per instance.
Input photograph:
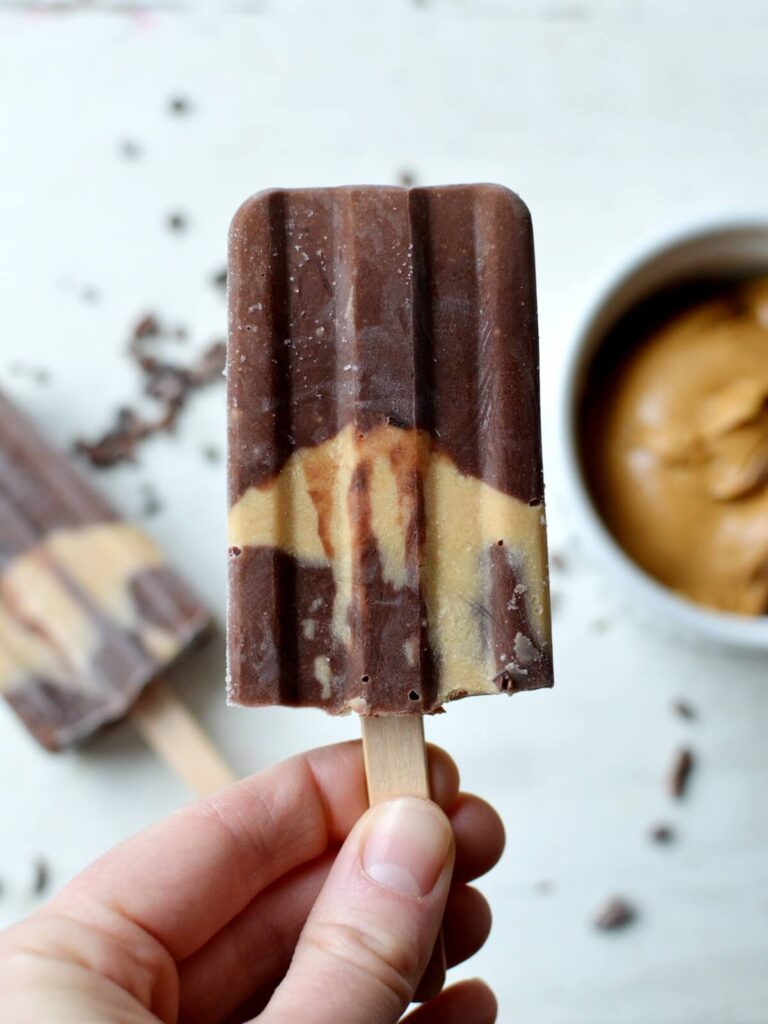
(477, 822)
(254, 949)
(368, 938)
(469, 1002)
(185, 878)
(467, 924)
(443, 776)
(244, 964)
(250, 956)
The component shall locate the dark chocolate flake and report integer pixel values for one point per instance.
(681, 772)
(118, 444)
(177, 221)
(616, 913)
(167, 383)
(684, 709)
(663, 834)
(147, 327)
(41, 876)
(179, 105)
(219, 279)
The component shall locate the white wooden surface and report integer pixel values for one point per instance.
(618, 121)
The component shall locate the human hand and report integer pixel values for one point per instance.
(279, 899)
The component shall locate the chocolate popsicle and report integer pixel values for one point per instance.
(90, 610)
(387, 546)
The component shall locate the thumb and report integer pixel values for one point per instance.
(371, 932)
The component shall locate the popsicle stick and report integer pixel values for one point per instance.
(168, 726)
(396, 765)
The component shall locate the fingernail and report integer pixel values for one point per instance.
(407, 846)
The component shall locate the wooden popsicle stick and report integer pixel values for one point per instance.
(396, 765)
(169, 727)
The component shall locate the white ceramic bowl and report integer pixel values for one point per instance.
(729, 249)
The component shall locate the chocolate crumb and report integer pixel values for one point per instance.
(90, 294)
(663, 834)
(211, 453)
(681, 771)
(130, 150)
(406, 177)
(617, 913)
(147, 327)
(167, 383)
(118, 444)
(179, 105)
(177, 221)
(219, 279)
(41, 876)
(180, 333)
(684, 709)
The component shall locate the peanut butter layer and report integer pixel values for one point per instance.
(352, 507)
(90, 611)
(387, 544)
(678, 452)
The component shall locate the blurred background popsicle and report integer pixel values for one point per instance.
(91, 614)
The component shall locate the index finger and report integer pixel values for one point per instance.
(183, 879)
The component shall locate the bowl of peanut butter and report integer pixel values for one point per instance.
(666, 430)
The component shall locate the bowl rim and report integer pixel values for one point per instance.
(728, 628)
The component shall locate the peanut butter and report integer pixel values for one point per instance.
(308, 511)
(677, 451)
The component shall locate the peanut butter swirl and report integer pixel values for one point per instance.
(312, 512)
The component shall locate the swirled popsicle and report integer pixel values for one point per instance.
(90, 610)
(387, 541)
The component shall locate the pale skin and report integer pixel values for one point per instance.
(280, 899)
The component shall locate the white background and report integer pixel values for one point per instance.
(618, 121)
